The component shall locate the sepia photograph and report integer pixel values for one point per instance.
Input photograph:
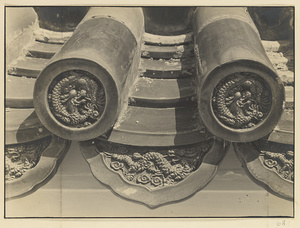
(149, 111)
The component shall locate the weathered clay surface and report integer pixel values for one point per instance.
(169, 154)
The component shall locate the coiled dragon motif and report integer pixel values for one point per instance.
(77, 99)
(241, 100)
(153, 162)
(155, 168)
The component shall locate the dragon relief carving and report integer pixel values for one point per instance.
(23, 157)
(241, 100)
(277, 157)
(76, 98)
(153, 168)
(281, 163)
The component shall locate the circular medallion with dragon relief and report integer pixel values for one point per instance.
(241, 100)
(76, 98)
